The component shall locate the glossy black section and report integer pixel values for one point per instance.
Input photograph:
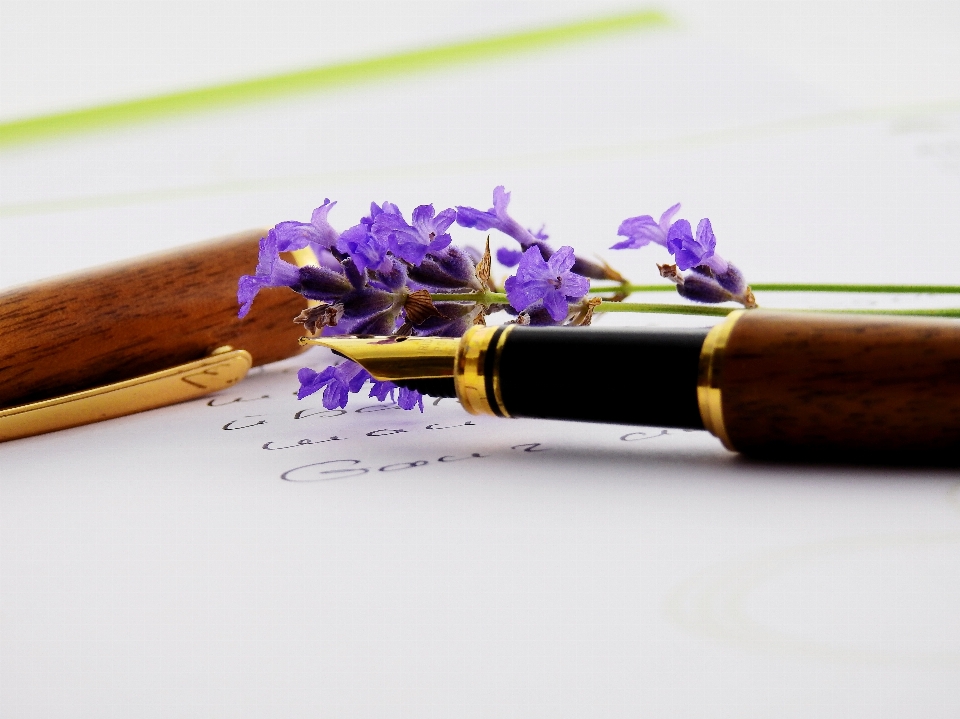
(629, 375)
(434, 387)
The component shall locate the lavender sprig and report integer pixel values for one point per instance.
(380, 277)
(711, 279)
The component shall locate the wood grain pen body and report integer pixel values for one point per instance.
(837, 383)
(117, 322)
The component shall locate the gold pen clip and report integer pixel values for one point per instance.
(224, 367)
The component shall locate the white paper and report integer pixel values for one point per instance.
(249, 554)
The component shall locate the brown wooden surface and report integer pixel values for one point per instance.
(113, 323)
(841, 384)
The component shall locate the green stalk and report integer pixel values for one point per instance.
(385, 68)
(481, 298)
(664, 309)
(634, 288)
(788, 287)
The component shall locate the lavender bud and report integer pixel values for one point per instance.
(701, 288)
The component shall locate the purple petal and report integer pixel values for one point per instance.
(574, 286)
(639, 231)
(439, 242)
(509, 258)
(705, 237)
(476, 219)
(667, 216)
(496, 218)
(629, 244)
(444, 219)
(423, 215)
(320, 214)
(556, 305)
(337, 383)
(328, 235)
(562, 260)
(409, 398)
(679, 232)
(295, 235)
(532, 264)
(247, 289)
(311, 381)
(365, 249)
(501, 200)
(522, 294)
(382, 390)
(271, 272)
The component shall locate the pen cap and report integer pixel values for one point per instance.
(117, 322)
(775, 382)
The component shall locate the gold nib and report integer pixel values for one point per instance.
(390, 359)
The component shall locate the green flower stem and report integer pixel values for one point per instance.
(883, 289)
(481, 298)
(712, 311)
(762, 287)
(664, 309)
(499, 298)
(634, 288)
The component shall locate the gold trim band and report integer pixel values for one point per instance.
(477, 393)
(710, 376)
(498, 350)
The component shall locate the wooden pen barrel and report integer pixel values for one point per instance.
(114, 323)
(836, 384)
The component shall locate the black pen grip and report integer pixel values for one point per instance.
(641, 376)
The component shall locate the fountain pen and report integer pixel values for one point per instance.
(762, 381)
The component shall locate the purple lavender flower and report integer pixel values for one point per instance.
(428, 233)
(318, 234)
(359, 242)
(548, 280)
(407, 399)
(641, 231)
(448, 270)
(381, 390)
(371, 308)
(703, 288)
(337, 382)
(694, 252)
(713, 279)
(703, 285)
(271, 272)
(497, 218)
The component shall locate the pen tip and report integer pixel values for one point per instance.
(391, 359)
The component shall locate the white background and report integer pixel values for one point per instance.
(159, 566)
